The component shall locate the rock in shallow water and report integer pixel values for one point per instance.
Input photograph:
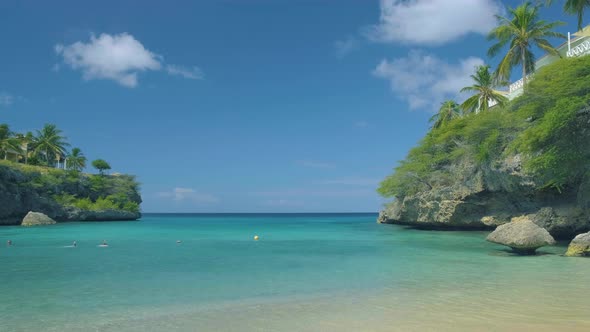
(36, 218)
(580, 246)
(522, 235)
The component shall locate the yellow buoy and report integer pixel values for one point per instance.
(256, 237)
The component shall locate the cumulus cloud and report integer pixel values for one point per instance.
(424, 80)
(301, 192)
(118, 57)
(6, 99)
(189, 194)
(432, 22)
(193, 73)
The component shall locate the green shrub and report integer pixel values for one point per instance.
(543, 125)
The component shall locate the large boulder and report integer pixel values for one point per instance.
(36, 219)
(522, 235)
(580, 246)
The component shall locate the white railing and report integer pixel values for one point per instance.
(518, 84)
(582, 49)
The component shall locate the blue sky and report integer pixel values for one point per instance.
(243, 105)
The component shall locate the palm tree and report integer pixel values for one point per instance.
(76, 160)
(448, 111)
(26, 142)
(575, 7)
(521, 32)
(50, 143)
(484, 93)
(8, 143)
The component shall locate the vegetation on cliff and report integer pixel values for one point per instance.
(544, 126)
(72, 188)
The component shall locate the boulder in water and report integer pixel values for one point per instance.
(580, 245)
(36, 219)
(522, 235)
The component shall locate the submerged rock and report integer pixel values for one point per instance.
(580, 246)
(522, 235)
(36, 218)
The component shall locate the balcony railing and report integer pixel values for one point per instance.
(518, 84)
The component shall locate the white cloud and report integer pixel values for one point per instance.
(6, 99)
(344, 47)
(118, 57)
(315, 164)
(188, 194)
(432, 22)
(193, 73)
(424, 80)
(297, 192)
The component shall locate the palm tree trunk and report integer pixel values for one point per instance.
(523, 68)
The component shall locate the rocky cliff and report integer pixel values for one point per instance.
(28, 188)
(482, 199)
(531, 158)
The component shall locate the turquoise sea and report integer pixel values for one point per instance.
(308, 272)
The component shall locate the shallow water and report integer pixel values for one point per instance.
(340, 272)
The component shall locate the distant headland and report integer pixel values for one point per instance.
(39, 174)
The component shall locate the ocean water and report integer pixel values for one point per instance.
(308, 272)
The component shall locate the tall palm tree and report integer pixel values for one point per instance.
(521, 32)
(76, 160)
(448, 111)
(50, 144)
(575, 7)
(26, 143)
(8, 142)
(484, 93)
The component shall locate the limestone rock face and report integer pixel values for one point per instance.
(522, 235)
(18, 197)
(580, 246)
(484, 197)
(382, 217)
(36, 219)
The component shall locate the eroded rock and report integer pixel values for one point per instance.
(522, 235)
(37, 219)
(580, 246)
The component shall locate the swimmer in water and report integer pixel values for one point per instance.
(104, 243)
(178, 241)
(9, 243)
(74, 244)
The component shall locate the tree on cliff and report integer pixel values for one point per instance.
(483, 88)
(101, 166)
(50, 144)
(575, 7)
(521, 31)
(76, 160)
(448, 111)
(8, 143)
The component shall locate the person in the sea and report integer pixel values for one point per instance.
(74, 244)
(9, 243)
(104, 243)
